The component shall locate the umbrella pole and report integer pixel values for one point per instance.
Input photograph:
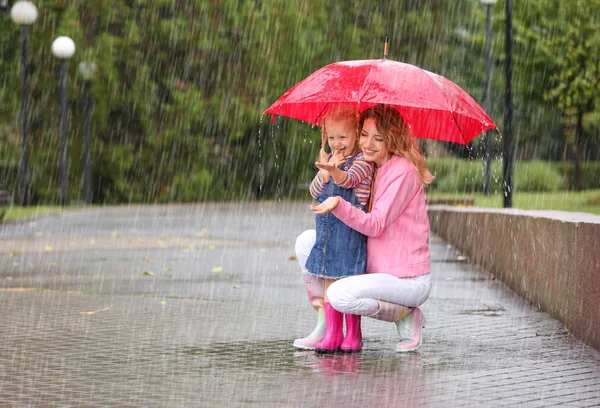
(385, 48)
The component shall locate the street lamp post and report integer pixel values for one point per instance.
(487, 102)
(24, 13)
(63, 48)
(4, 5)
(87, 70)
(509, 147)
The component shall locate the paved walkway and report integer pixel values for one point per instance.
(197, 305)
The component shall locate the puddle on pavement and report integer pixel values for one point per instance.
(455, 261)
(280, 357)
(487, 311)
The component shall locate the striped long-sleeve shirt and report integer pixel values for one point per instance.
(358, 177)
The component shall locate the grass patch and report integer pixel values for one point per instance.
(585, 201)
(16, 213)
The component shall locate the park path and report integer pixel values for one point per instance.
(197, 305)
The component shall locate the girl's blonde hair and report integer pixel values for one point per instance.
(341, 113)
(398, 139)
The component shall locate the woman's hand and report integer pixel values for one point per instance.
(326, 206)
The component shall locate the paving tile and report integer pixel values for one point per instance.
(84, 326)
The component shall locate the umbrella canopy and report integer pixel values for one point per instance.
(432, 106)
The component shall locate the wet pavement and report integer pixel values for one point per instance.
(198, 305)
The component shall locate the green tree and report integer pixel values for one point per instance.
(181, 85)
(567, 47)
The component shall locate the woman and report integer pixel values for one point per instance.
(397, 278)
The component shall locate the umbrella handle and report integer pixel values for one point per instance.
(385, 48)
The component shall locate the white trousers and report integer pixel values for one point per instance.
(360, 294)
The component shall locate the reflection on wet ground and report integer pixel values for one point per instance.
(278, 357)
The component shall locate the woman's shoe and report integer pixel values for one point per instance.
(334, 336)
(409, 330)
(353, 341)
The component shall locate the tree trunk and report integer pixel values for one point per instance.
(566, 161)
(578, 150)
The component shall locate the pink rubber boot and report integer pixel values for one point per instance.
(353, 341)
(334, 337)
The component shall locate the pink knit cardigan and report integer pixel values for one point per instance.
(397, 226)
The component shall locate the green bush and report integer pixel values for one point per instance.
(537, 176)
(8, 175)
(460, 175)
(590, 174)
(190, 187)
(466, 176)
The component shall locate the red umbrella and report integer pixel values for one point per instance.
(432, 106)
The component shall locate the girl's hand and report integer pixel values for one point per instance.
(325, 176)
(323, 155)
(326, 206)
(336, 159)
(325, 166)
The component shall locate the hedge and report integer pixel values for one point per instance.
(466, 176)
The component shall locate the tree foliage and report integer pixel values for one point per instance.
(181, 85)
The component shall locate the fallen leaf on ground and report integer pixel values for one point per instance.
(47, 248)
(202, 233)
(292, 258)
(18, 289)
(218, 269)
(147, 260)
(148, 273)
(95, 311)
(15, 253)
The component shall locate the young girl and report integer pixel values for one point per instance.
(339, 251)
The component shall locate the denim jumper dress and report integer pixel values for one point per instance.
(339, 251)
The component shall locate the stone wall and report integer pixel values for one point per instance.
(551, 258)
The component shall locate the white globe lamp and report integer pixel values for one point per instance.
(63, 47)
